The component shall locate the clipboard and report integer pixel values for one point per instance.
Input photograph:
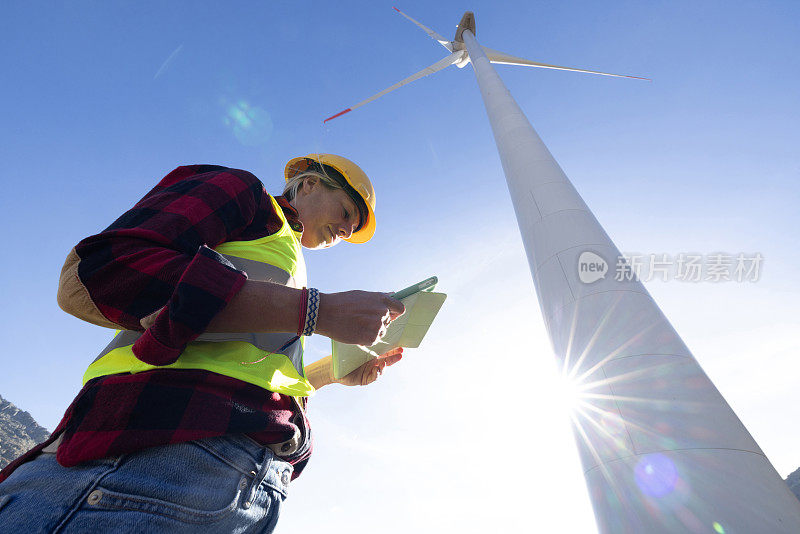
(408, 330)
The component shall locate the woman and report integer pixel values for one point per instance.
(193, 418)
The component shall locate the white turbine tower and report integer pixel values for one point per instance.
(662, 451)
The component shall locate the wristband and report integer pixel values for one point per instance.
(312, 311)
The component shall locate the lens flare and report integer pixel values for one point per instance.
(656, 475)
(251, 125)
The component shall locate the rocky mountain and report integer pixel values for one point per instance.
(18, 432)
(794, 482)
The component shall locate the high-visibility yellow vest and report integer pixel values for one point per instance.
(256, 358)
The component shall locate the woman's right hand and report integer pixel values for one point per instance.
(357, 317)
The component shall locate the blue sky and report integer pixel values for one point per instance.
(101, 99)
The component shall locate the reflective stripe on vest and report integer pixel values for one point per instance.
(251, 357)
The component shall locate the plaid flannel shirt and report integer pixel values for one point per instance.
(159, 256)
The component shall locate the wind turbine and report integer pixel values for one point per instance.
(460, 57)
(662, 450)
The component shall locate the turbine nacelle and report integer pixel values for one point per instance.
(467, 23)
(460, 58)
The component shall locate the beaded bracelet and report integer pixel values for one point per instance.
(312, 311)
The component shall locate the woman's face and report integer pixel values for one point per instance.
(328, 215)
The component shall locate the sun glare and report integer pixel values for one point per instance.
(570, 393)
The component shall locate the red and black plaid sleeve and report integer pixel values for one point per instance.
(159, 255)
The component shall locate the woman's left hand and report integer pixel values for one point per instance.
(370, 371)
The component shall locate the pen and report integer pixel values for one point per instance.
(421, 286)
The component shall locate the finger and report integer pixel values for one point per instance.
(392, 352)
(392, 359)
(396, 308)
(389, 358)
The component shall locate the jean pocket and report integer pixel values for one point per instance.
(182, 481)
(105, 499)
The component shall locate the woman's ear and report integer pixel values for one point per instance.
(308, 185)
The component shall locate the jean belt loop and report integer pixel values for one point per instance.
(260, 476)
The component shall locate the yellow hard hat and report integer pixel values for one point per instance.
(358, 187)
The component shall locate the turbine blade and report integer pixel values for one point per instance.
(506, 59)
(442, 41)
(439, 65)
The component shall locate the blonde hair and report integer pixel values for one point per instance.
(294, 183)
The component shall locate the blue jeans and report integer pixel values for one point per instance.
(225, 484)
